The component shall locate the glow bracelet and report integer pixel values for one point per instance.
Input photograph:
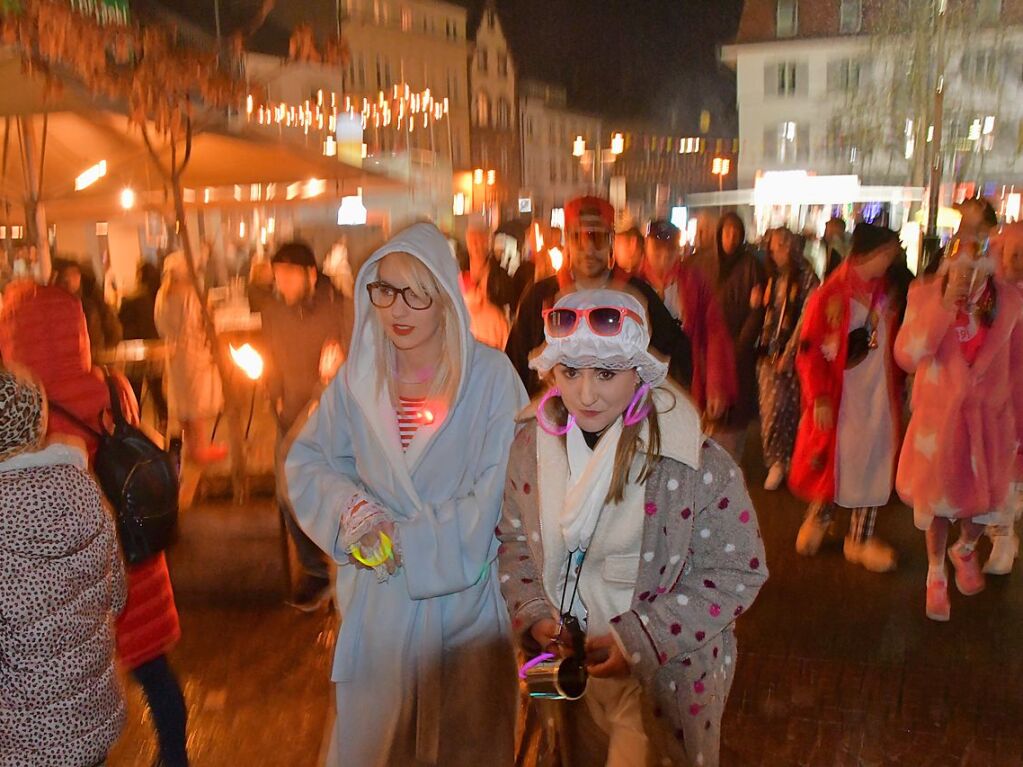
(535, 662)
(385, 544)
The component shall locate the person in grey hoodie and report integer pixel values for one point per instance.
(61, 585)
(307, 327)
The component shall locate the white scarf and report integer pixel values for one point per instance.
(588, 483)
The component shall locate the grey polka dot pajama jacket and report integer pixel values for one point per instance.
(701, 565)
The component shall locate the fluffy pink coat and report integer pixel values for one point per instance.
(960, 450)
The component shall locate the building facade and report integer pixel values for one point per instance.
(551, 173)
(421, 44)
(494, 117)
(844, 87)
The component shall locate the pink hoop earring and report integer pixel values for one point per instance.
(632, 416)
(541, 417)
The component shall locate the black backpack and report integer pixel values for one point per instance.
(139, 479)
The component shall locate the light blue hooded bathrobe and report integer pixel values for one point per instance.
(423, 669)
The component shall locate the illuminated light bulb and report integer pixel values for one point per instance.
(127, 198)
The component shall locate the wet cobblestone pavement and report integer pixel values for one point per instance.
(837, 666)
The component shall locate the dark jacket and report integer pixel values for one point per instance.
(527, 333)
(294, 337)
(734, 279)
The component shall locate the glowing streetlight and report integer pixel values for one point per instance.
(127, 198)
(617, 144)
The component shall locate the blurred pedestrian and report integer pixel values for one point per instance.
(104, 328)
(849, 430)
(790, 283)
(963, 340)
(836, 246)
(194, 385)
(629, 250)
(398, 476)
(137, 319)
(61, 586)
(307, 329)
(691, 302)
(737, 280)
(977, 221)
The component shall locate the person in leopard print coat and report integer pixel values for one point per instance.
(61, 586)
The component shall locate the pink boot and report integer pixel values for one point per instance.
(938, 606)
(969, 578)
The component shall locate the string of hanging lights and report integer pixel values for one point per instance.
(399, 108)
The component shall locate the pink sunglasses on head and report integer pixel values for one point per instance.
(603, 320)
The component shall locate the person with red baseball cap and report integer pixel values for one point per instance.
(589, 229)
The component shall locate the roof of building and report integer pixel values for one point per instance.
(820, 19)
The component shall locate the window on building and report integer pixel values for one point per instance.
(481, 60)
(502, 64)
(406, 20)
(850, 17)
(980, 66)
(844, 76)
(790, 142)
(502, 116)
(482, 109)
(989, 11)
(788, 18)
(786, 79)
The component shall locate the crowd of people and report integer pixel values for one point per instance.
(533, 467)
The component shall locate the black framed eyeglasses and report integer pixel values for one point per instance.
(383, 295)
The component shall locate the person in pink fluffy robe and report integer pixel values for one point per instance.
(1007, 245)
(963, 338)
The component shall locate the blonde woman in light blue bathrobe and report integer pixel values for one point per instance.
(411, 440)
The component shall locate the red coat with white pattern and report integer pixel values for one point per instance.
(820, 362)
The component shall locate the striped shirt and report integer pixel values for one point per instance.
(411, 416)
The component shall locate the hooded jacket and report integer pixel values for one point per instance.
(733, 280)
(61, 584)
(423, 666)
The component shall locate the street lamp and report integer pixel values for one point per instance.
(607, 156)
(721, 168)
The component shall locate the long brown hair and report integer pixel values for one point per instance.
(630, 444)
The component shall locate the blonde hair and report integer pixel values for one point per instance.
(630, 444)
(448, 374)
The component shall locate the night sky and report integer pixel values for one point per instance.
(650, 58)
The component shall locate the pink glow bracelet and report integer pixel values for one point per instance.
(535, 662)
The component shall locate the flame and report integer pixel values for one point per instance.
(557, 259)
(249, 360)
